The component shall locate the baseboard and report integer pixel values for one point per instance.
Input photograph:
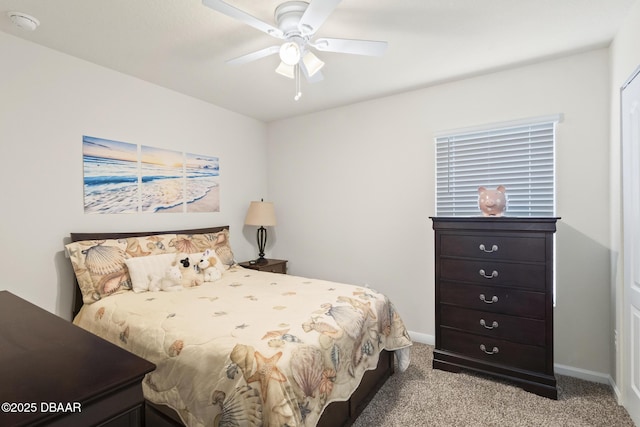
(422, 338)
(570, 371)
(616, 392)
(583, 374)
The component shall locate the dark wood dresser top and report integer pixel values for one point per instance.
(44, 358)
(489, 223)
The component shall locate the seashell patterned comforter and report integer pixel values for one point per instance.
(254, 348)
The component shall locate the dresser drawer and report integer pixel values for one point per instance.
(494, 299)
(494, 273)
(493, 350)
(491, 246)
(494, 325)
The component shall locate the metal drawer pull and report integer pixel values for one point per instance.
(493, 325)
(493, 299)
(494, 350)
(484, 274)
(483, 248)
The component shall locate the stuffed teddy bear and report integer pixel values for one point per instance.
(169, 282)
(188, 265)
(208, 265)
(492, 202)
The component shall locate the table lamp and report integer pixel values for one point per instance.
(261, 214)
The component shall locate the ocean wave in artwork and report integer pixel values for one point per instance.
(158, 195)
(103, 180)
(111, 198)
(110, 185)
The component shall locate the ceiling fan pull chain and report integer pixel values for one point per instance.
(296, 72)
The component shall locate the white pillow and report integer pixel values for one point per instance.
(141, 268)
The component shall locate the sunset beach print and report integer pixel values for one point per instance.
(162, 179)
(121, 177)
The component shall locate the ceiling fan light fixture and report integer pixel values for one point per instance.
(290, 53)
(312, 63)
(286, 70)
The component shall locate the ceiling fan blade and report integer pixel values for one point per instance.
(357, 47)
(254, 55)
(315, 15)
(233, 12)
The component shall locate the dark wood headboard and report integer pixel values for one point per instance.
(76, 237)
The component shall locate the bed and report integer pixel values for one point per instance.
(249, 348)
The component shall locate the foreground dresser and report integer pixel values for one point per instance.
(53, 373)
(494, 298)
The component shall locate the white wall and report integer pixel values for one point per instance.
(48, 100)
(625, 59)
(354, 188)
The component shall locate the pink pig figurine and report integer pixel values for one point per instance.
(492, 202)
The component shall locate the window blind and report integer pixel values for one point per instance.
(520, 157)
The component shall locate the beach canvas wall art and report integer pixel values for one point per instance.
(162, 180)
(121, 177)
(202, 184)
(110, 176)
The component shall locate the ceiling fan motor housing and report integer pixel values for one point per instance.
(288, 15)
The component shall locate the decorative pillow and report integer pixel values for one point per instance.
(196, 243)
(100, 266)
(142, 268)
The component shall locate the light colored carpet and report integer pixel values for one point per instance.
(421, 396)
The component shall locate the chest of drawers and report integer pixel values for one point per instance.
(494, 298)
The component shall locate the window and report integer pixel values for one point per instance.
(519, 156)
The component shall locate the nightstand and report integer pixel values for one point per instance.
(57, 374)
(272, 265)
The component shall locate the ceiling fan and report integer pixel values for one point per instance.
(297, 23)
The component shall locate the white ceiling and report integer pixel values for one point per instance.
(183, 45)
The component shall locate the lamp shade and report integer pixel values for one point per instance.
(286, 70)
(312, 63)
(261, 214)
